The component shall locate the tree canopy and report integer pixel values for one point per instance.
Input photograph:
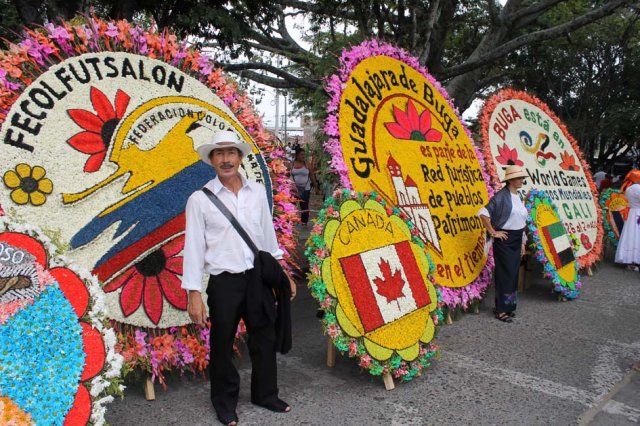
(579, 56)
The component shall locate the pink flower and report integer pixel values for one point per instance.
(112, 30)
(365, 361)
(353, 348)
(411, 126)
(333, 331)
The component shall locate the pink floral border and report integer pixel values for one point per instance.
(505, 94)
(47, 46)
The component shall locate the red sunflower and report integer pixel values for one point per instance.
(568, 162)
(411, 126)
(98, 128)
(508, 156)
(151, 280)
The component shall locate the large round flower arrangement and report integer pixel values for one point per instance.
(553, 245)
(133, 244)
(392, 129)
(58, 362)
(615, 208)
(519, 129)
(374, 281)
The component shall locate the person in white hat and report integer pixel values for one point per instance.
(505, 217)
(212, 245)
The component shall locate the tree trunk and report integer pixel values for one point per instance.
(124, 9)
(29, 11)
(62, 9)
(463, 88)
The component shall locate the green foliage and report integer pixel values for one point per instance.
(588, 75)
(591, 79)
(10, 25)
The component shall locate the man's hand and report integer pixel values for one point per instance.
(196, 309)
(292, 285)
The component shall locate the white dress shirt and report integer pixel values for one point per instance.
(212, 244)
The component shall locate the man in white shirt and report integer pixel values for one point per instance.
(212, 245)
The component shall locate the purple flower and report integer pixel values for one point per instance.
(112, 30)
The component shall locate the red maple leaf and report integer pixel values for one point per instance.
(390, 285)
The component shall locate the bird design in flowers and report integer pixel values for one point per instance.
(152, 279)
(508, 156)
(568, 162)
(28, 184)
(14, 283)
(98, 128)
(410, 125)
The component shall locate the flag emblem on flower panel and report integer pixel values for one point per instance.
(386, 284)
(559, 244)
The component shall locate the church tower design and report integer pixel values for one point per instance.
(408, 200)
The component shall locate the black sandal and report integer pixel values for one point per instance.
(277, 406)
(503, 316)
(228, 421)
(511, 314)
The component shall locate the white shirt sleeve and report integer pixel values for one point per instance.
(194, 247)
(483, 212)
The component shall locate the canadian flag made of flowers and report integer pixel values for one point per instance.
(386, 284)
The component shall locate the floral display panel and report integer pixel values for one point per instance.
(615, 209)
(519, 129)
(394, 131)
(58, 363)
(374, 280)
(98, 123)
(553, 245)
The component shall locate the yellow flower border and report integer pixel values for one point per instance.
(405, 363)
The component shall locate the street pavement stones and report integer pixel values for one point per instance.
(558, 363)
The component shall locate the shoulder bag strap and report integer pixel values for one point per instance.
(225, 211)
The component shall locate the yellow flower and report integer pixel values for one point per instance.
(29, 184)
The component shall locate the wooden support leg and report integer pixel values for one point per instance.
(522, 272)
(449, 320)
(388, 382)
(476, 308)
(331, 353)
(589, 271)
(149, 392)
(527, 281)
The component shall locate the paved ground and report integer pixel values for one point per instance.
(558, 363)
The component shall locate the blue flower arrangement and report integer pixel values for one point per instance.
(46, 357)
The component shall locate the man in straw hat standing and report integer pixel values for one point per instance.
(214, 246)
(505, 218)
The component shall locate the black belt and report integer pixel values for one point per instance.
(232, 273)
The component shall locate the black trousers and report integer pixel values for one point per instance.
(227, 304)
(507, 257)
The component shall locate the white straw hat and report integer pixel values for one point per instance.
(512, 172)
(221, 139)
